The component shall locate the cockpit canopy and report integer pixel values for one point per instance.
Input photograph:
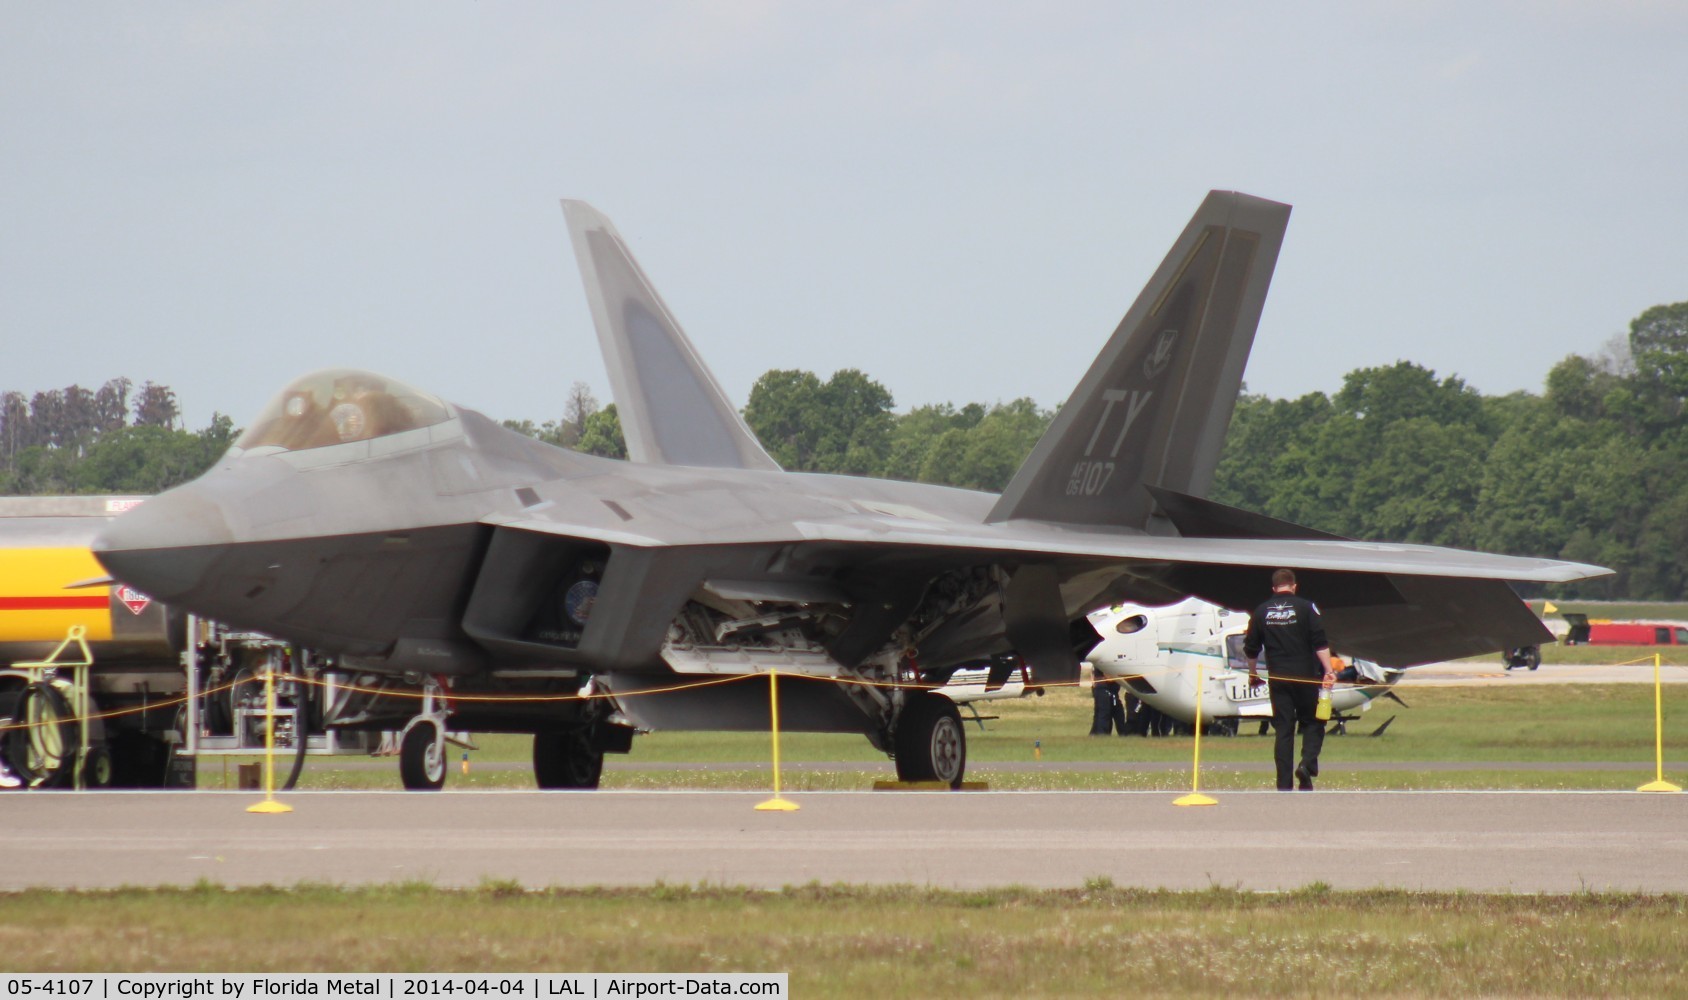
(340, 406)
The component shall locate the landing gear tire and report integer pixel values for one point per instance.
(930, 743)
(422, 758)
(567, 758)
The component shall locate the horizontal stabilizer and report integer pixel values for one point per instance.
(672, 410)
(1198, 517)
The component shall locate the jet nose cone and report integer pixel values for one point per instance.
(165, 546)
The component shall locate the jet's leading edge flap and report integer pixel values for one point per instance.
(672, 410)
(1155, 404)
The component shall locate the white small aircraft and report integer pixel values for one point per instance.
(1157, 654)
(995, 679)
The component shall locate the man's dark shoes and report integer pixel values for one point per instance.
(1303, 778)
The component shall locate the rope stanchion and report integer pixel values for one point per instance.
(1659, 784)
(775, 804)
(270, 805)
(1196, 798)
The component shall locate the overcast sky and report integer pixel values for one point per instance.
(960, 199)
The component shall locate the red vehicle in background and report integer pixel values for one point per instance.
(1636, 634)
(1605, 633)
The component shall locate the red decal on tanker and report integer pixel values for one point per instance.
(132, 599)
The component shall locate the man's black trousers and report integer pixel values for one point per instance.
(1108, 714)
(1295, 700)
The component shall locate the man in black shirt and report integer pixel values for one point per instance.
(1288, 628)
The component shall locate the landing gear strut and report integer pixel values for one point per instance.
(930, 743)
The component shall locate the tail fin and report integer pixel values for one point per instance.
(672, 410)
(1154, 407)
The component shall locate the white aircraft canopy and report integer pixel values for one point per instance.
(339, 406)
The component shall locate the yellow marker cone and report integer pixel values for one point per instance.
(775, 804)
(1660, 784)
(270, 805)
(1196, 798)
(1548, 608)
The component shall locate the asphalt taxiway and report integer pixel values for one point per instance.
(1479, 841)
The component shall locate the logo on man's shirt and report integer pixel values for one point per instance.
(1281, 614)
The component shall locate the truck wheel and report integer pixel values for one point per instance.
(930, 743)
(138, 760)
(97, 771)
(566, 758)
(421, 761)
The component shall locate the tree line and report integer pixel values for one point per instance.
(1593, 469)
(114, 439)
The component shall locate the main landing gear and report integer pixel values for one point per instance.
(572, 756)
(930, 743)
(567, 758)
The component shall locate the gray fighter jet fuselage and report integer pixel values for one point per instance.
(410, 537)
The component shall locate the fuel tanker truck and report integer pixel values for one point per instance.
(92, 716)
(103, 687)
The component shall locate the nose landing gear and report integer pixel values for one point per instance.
(422, 744)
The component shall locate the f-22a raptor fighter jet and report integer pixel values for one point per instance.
(420, 542)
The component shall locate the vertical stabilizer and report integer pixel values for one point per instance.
(1153, 408)
(672, 410)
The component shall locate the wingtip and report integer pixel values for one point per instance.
(581, 215)
(1574, 571)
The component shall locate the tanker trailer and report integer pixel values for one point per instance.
(131, 690)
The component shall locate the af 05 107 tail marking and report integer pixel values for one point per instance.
(1153, 408)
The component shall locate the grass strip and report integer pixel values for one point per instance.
(895, 942)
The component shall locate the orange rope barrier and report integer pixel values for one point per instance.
(678, 688)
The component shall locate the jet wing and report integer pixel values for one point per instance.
(1030, 542)
(1396, 604)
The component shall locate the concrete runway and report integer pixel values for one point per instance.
(1517, 842)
